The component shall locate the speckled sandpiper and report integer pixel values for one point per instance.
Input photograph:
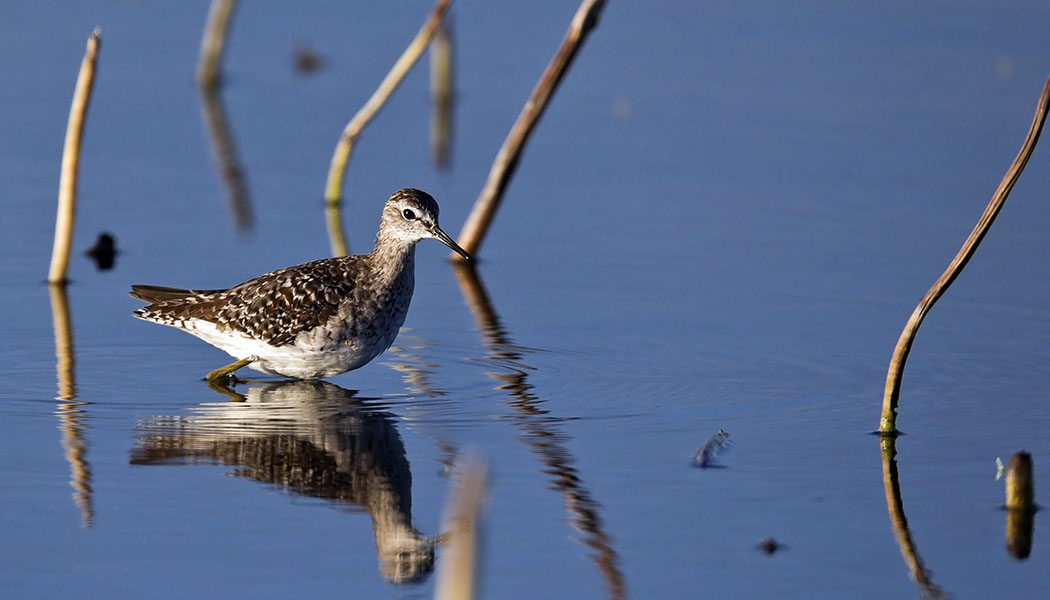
(318, 319)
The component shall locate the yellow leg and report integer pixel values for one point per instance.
(230, 368)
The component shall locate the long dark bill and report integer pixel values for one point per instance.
(448, 241)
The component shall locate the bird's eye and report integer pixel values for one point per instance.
(408, 214)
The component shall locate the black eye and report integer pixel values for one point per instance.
(408, 214)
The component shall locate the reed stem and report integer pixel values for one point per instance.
(337, 168)
(1020, 485)
(891, 397)
(67, 186)
(213, 42)
(481, 216)
(1020, 505)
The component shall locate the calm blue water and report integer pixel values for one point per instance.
(722, 221)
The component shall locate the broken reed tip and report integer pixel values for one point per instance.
(1020, 486)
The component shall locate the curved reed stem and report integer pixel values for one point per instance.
(67, 186)
(888, 423)
(337, 168)
(213, 42)
(333, 217)
(480, 217)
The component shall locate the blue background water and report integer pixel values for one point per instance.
(722, 221)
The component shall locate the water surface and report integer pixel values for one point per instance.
(722, 222)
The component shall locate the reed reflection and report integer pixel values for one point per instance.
(895, 506)
(311, 438)
(441, 95)
(540, 429)
(416, 371)
(1020, 524)
(226, 158)
(70, 411)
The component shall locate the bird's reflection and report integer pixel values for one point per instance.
(312, 438)
(895, 506)
(540, 429)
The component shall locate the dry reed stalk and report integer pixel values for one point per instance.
(67, 186)
(1020, 485)
(333, 217)
(213, 42)
(888, 422)
(337, 168)
(480, 217)
(1020, 505)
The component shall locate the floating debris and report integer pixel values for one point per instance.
(714, 448)
(769, 546)
(999, 468)
(104, 252)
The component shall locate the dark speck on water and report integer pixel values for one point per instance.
(769, 546)
(104, 252)
(307, 60)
